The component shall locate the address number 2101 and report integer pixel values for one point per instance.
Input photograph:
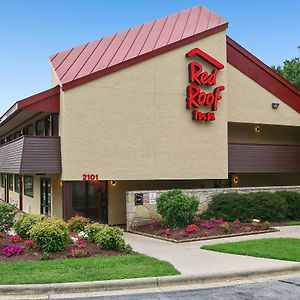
(88, 177)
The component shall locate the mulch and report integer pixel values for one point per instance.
(175, 234)
(35, 254)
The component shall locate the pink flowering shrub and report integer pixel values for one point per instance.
(78, 253)
(79, 243)
(29, 244)
(166, 232)
(205, 233)
(11, 250)
(208, 224)
(72, 233)
(2, 234)
(152, 225)
(184, 234)
(15, 239)
(236, 222)
(191, 228)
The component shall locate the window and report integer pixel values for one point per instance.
(2, 180)
(28, 186)
(54, 120)
(9, 138)
(17, 183)
(2, 141)
(17, 134)
(40, 127)
(28, 130)
(11, 181)
(48, 126)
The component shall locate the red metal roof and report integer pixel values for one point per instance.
(92, 60)
(46, 101)
(255, 69)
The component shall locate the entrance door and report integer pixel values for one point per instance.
(89, 199)
(46, 196)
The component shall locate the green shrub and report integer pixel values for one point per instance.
(268, 206)
(7, 214)
(177, 209)
(77, 223)
(229, 207)
(92, 230)
(110, 238)
(23, 225)
(51, 234)
(293, 202)
(245, 207)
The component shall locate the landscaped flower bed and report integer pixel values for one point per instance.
(205, 229)
(26, 250)
(39, 237)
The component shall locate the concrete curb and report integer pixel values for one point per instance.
(139, 283)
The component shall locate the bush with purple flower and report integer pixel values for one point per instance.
(11, 250)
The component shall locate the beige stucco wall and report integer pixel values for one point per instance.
(248, 102)
(269, 134)
(54, 79)
(117, 193)
(133, 124)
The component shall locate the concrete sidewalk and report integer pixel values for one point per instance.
(196, 266)
(189, 259)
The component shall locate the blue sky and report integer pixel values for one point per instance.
(32, 30)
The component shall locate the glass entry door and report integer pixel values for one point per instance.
(46, 196)
(89, 199)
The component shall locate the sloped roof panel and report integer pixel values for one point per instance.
(96, 58)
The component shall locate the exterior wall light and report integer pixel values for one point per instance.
(235, 179)
(275, 105)
(113, 182)
(257, 129)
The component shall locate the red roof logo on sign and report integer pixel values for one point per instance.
(197, 77)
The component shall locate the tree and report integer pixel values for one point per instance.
(290, 70)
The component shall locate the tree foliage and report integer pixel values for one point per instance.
(290, 71)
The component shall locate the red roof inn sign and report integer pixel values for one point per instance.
(198, 77)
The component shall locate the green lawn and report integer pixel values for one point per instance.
(292, 223)
(277, 248)
(84, 269)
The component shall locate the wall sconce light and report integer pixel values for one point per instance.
(275, 105)
(257, 129)
(235, 179)
(113, 182)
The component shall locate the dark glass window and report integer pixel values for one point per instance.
(28, 186)
(54, 120)
(28, 130)
(48, 126)
(17, 183)
(17, 134)
(2, 141)
(9, 138)
(2, 180)
(11, 182)
(40, 127)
